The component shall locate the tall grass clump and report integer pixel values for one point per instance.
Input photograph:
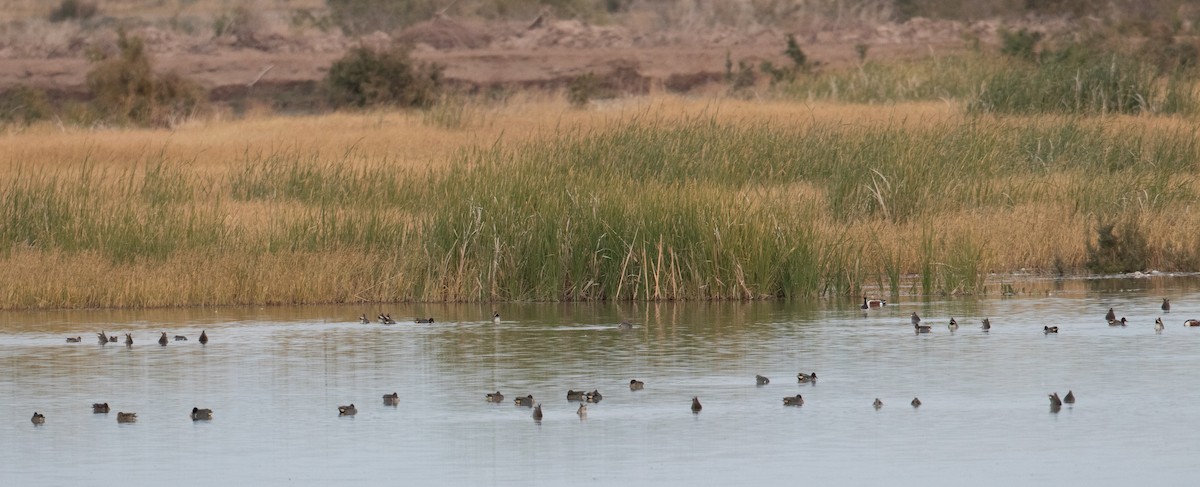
(932, 78)
(125, 88)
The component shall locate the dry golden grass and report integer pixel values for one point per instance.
(253, 264)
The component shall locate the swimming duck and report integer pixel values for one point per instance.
(987, 324)
(203, 337)
(1069, 398)
(128, 340)
(392, 399)
(1055, 401)
(1110, 315)
(387, 319)
(495, 397)
(1049, 329)
(163, 339)
(594, 396)
(922, 328)
(1158, 325)
(762, 381)
(1191, 323)
(100, 408)
(496, 317)
(363, 319)
(916, 320)
(423, 320)
(74, 339)
(582, 411)
(1166, 306)
(180, 338)
(1120, 322)
(537, 412)
(953, 325)
(102, 337)
(526, 401)
(873, 303)
(38, 418)
(347, 410)
(201, 414)
(916, 403)
(126, 417)
(636, 385)
(802, 377)
(878, 404)
(112, 338)
(793, 401)
(625, 326)
(574, 395)
(696, 407)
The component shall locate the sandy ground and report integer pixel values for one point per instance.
(472, 53)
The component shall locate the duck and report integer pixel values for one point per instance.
(1110, 316)
(594, 396)
(916, 320)
(793, 400)
(1158, 325)
(113, 338)
(625, 326)
(987, 324)
(762, 381)
(347, 410)
(922, 328)
(1120, 322)
(636, 385)
(201, 414)
(123, 417)
(582, 411)
(180, 338)
(1069, 398)
(878, 404)
(203, 337)
(392, 399)
(423, 321)
(363, 319)
(1191, 323)
(496, 317)
(873, 303)
(38, 418)
(102, 337)
(495, 397)
(574, 395)
(526, 401)
(953, 325)
(802, 377)
(128, 340)
(537, 412)
(100, 408)
(916, 403)
(1166, 306)
(1055, 401)
(387, 319)
(163, 339)
(74, 339)
(696, 407)
(1049, 329)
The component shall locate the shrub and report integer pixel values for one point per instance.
(582, 89)
(367, 77)
(73, 10)
(125, 88)
(1123, 251)
(24, 105)
(1021, 44)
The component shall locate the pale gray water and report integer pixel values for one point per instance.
(274, 378)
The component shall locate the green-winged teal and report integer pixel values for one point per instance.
(1110, 315)
(916, 403)
(102, 337)
(128, 340)
(1158, 325)
(793, 401)
(495, 397)
(163, 339)
(201, 414)
(537, 412)
(696, 407)
(526, 401)
(1069, 398)
(100, 408)
(1049, 329)
(878, 404)
(582, 411)
(126, 417)
(802, 377)
(762, 381)
(636, 385)
(362, 319)
(1055, 401)
(987, 324)
(574, 395)
(423, 321)
(203, 337)
(347, 410)
(594, 396)
(1166, 306)
(496, 318)
(180, 338)
(625, 326)
(1120, 322)
(38, 418)
(74, 339)
(916, 320)
(392, 399)
(953, 325)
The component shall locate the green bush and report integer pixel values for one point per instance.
(1021, 44)
(73, 10)
(1113, 251)
(23, 105)
(368, 77)
(125, 88)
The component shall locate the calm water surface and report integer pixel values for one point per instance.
(275, 376)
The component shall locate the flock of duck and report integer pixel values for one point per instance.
(584, 397)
